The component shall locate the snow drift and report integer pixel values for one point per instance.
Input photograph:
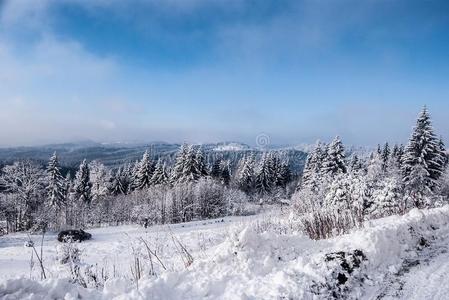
(251, 264)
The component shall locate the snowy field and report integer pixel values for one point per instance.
(255, 257)
(113, 246)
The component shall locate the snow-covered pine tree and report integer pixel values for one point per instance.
(395, 160)
(312, 169)
(126, 178)
(284, 173)
(116, 187)
(190, 171)
(200, 163)
(421, 163)
(280, 169)
(264, 177)
(177, 171)
(69, 194)
(379, 149)
(443, 152)
(396, 157)
(245, 177)
(55, 183)
(68, 185)
(356, 165)
(134, 173)
(145, 172)
(385, 156)
(401, 150)
(160, 175)
(225, 175)
(215, 171)
(395, 150)
(375, 168)
(82, 184)
(358, 192)
(334, 162)
(100, 177)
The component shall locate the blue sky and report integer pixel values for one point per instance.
(214, 70)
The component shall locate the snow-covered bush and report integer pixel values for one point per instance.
(68, 253)
(306, 200)
(70, 258)
(236, 201)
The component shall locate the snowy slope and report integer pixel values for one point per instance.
(262, 258)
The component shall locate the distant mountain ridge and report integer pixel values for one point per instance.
(116, 154)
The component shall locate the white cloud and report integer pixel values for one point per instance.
(47, 84)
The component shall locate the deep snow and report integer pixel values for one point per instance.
(252, 258)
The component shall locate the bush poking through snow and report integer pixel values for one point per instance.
(325, 223)
(68, 254)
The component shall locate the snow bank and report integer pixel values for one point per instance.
(251, 265)
(46, 289)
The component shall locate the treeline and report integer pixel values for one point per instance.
(146, 191)
(388, 181)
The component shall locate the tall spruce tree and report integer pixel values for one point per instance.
(385, 156)
(313, 168)
(133, 174)
(160, 175)
(55, 183)
(190, 168)
(399, 156)
(245, 177)
(264, 177)
(215, 171)
(82, 184)
(225, 172)
(100, 177)
(178, 168)
(421, 162)
(283, 173)
(116, 186)
(145, 172)
(200, 163)
(395, 159)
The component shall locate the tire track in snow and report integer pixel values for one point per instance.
(425, 277)
(428, 281)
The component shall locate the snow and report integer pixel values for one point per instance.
(428, 281)
(255, 257)
(231, 147)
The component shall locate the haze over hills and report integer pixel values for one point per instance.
(119, 153)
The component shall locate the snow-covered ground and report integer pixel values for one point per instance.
(114, 245)
(257, 257)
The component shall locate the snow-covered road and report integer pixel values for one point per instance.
(427, 275)
(428, 281)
